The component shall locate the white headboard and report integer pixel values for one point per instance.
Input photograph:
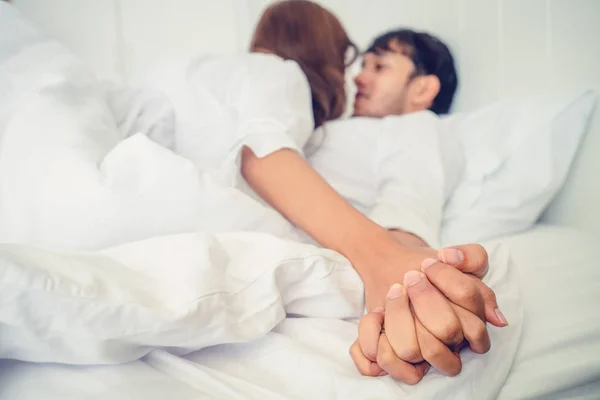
(502, 47)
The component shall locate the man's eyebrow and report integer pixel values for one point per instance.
(382, 52)
(387, 53)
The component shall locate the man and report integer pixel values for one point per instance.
(404, 72)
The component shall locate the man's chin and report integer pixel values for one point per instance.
(362, 110)
(361, 113)
(358, 112)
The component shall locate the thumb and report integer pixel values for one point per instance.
(469, 258)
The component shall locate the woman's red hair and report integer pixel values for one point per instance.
(305, 32)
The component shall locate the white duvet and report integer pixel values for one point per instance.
(103, 262)
(226, 296)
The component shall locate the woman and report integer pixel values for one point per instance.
(253, 114)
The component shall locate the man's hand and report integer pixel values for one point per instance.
(471, 259)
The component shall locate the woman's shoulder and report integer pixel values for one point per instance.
(251, 63)
(270, 67)
(249, 73)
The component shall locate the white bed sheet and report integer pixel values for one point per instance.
(306, 358)
(133, 381)
(559, 355)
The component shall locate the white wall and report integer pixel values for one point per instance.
(120, 38)
(88, 27)
(175, 27)
(503, 48)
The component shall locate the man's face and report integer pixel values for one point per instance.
(383, 83)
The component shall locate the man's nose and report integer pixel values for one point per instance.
(361, 80)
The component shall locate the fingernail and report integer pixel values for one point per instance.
(452, 256)
(428, 262)
(378, 310)
(395, 291)
(427, 368)
(383, 373)
(501, 316)
(413, 277)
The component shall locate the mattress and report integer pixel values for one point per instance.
(558, 355)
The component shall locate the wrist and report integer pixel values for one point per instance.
(407, 238)
(380, 255)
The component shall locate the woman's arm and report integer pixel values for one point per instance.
(288, 183)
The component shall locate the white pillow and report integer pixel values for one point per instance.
(182, 292)
(517, 156)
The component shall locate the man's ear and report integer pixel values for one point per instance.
(424, 90)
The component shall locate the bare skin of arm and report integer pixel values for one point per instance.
(408, 239)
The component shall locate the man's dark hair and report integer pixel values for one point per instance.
(430, 56)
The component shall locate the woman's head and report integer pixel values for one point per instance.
(305, 32)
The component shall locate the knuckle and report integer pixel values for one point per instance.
(371, 355)
(479, 330)
(456, 370)
(489, 296)
(366, 321)
(354, 352)
(468, 293)
(385, 358)
(453, 333)
(431, 352)
(412, 378)
(368, 353)
(363, 370)
(411, 355)
(480, 334)
(481, 254)
(360, 366)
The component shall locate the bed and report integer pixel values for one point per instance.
(557, 357)
(554, 354)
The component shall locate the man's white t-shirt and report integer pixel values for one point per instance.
(398, 170)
